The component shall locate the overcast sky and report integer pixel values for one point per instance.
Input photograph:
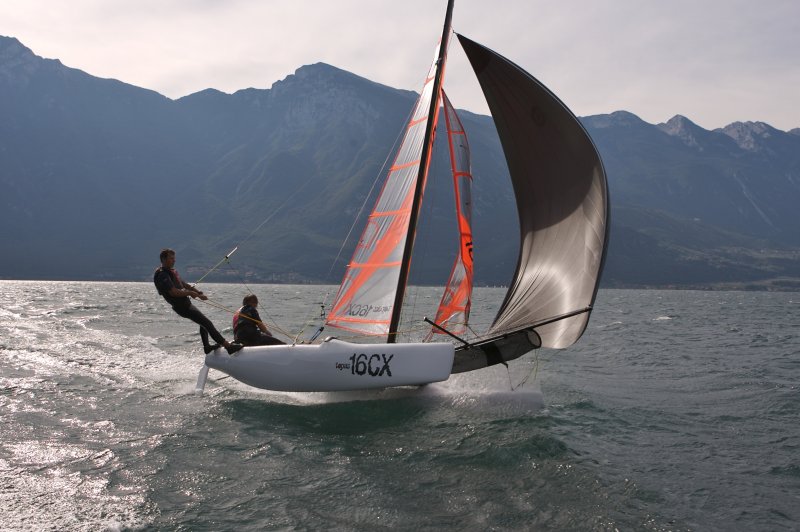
(714, 61)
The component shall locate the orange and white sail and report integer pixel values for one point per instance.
(453, 312)
(366, 297)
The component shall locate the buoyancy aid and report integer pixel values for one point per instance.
(165, 279)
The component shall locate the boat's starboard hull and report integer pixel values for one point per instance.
(335, 365)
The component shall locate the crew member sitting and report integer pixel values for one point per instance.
(248, 329)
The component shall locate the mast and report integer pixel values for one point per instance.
(423, 169)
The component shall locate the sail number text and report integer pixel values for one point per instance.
(374, 365)
(355, 309)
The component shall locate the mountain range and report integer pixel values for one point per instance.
(97, 175)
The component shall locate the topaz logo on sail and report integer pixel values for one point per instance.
(355, 309)
(374, 365)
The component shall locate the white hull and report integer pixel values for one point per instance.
(334, 365)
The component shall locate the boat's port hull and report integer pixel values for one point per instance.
(335, 365)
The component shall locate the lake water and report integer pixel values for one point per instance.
(677, 410)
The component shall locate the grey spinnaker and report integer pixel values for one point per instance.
(562, 199)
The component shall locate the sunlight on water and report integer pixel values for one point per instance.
(675, 411)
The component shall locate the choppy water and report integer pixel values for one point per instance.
(675, 411)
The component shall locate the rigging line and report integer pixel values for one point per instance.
(272, 320)
(241, 277)
(226, 309)
(469, 326)
(534, 371)
(357, 217)
(224, 259)
(310, 320)
(276, 211)
(268, 218)
(244, 282)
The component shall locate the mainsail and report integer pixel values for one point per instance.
(453, 312)
(370, 296)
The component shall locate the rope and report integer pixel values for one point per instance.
(273, 323)
(272, 320)
(224, 259)
(310, 320)
(534, 371)
(259, 226)
(226, 309)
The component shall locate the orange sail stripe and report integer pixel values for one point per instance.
(377, 214)
(374, 264)
(406, 165)
(383, 249)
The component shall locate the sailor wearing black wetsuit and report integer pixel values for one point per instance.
(177, 293)
(248, 329)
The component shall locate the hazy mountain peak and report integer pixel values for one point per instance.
(795, 131)
(11, 47)
(204, 95)
(209, 93)
(320, 69)
(678, 124)
(17, 61)
(314, 73)
(749, 135)
(681, 127)
(615, 119)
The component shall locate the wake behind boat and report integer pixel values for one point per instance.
(562, 200)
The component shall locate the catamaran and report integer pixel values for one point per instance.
(562, 201)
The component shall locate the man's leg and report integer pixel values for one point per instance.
(194, 314)
(204, 336)
(259, 338)
(266, 339)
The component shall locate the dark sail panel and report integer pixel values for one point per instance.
(562, 198)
